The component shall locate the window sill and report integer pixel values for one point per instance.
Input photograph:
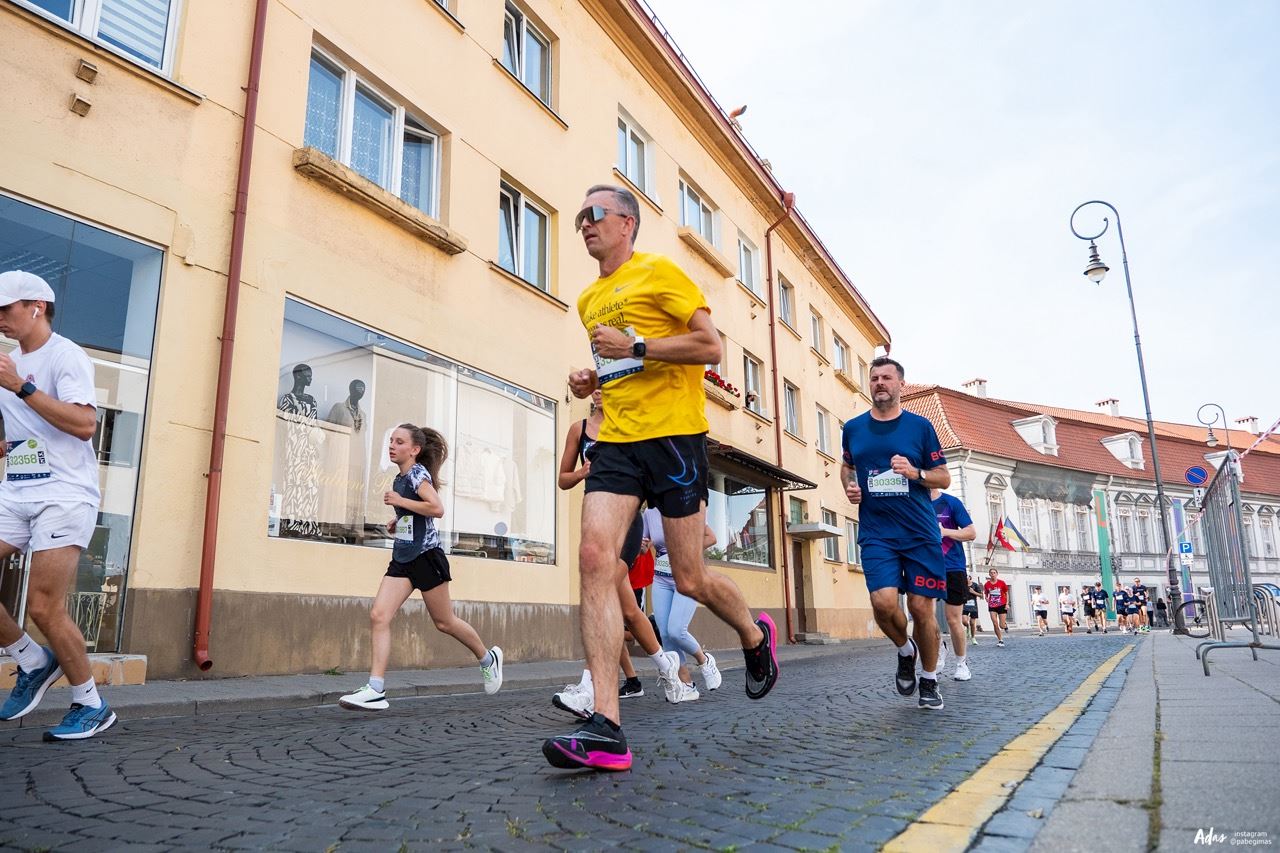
(825, 455)
(546, 108)
(61, 30)
(720, 397)
(856, 568)
(822, 359)
(789, 328)
(836, 562)
(797, 439)
(755, 297)
(703, 248)
(361, 190)
(848, 380)
(533, 288)
(760, 416)
(744, 567)
(453, 19)
(637, 190)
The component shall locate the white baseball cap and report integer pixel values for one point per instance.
(16, 285)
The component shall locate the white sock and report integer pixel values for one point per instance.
(488, 659)
(907, 649)
(86, 694)
(586, 680)
(659, 659)
(377, 684)
(960, 661)
(932, 676)
(28, 653)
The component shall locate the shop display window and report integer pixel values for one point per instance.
(738, 513)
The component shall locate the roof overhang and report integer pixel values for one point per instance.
(778, 478)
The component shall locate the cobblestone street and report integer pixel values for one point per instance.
(833, 757)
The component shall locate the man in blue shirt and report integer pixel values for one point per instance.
(892, 459)
(1100, 597)
(1121, 597)
(956, 526)
(1139, 605)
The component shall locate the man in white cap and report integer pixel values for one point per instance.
(48, 500)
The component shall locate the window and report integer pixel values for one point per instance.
(831, 545)
(995, 506)
(1144, 531)
(863, 375)
(696, 213)
(752, 369)
(738, 513)
(1057, 527)
(797, 511)
(526, 53)
(1267, 529)
(841, 352)
(633, 154)
(343, 388)
(1250, 545)
(142, 30)
(791, 397)
(1028, 523)
(815, 330)
(853, 554)
(824, 430)
(1125, 541)
(107, 288)
(748, 274)
(786, 302)
(354, 124)
(1197, 543)
(1084, 540)
(524, 236)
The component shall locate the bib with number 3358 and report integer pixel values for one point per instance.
(609, 369)
(27, 459)
(404, 528)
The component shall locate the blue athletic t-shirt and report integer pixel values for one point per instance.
(953, 516)
(894, 512)
(1099, 598)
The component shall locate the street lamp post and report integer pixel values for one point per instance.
(1096, 271)
(1212, 440)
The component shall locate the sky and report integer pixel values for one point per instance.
(939, 149)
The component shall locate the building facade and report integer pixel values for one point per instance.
(407, 254)
(1042, 468)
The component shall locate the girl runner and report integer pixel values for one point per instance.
(417, 562)
(674, 612)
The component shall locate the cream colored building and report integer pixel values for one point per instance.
(408, 254)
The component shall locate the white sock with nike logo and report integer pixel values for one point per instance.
(86, 694)
(28, 653)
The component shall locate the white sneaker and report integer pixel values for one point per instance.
(577, 699)
(492, 675)
(669, 679)
(942, 656)
(962, 672)
(711, 677)
(688, 693)
(365, 699)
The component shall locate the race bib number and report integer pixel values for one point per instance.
(27, 459)
(887, 483)
(662, 565)
(404, 528)
(994, 599)
(609, 369)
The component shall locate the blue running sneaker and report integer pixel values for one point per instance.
(82, 722)
(29, 690)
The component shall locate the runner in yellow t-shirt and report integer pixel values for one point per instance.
(651, 332)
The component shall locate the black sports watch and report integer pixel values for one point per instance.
(638, 349)
(27, 389)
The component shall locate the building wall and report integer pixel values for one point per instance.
(155, 158)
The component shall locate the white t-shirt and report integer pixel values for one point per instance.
(1067, 602)
(44, 464)
(1039, 601)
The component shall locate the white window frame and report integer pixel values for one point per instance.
(817, 329)
(519, 202)
(853, 554)
(630, 129)
(749, 265)
(752, 384)
(830, 545)
(1058, 527)
(523, 27)
(351, 81)
(786, 301)
(823, 440)
(1084, 535)
(791, 408)
(86, 16)
(1029, 522)
(1267, 533)
(864, 374)
(840, 353)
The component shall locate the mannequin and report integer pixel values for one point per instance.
(298, 401)
(349, 414)
(301, 507)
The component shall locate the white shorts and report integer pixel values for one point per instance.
(45, 526)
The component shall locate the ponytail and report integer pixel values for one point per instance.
(433, 450)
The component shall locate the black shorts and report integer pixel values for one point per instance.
(957, 588)
(631, 545)
(667, 473)
(427, 570)
(970, 610)
(1000, 610)
(1088, 611)
(1042, 614)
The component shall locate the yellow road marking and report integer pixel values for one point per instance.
(953, 822)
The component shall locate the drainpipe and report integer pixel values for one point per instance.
(788, 204)
(213, 495)
(964, 495)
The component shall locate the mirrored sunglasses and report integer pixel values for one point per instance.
(592, 214)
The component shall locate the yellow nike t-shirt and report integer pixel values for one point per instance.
(650, 297)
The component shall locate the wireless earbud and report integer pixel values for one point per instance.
(35, 313)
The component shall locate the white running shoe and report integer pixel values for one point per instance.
(669, 679)
(962, 672)
(492, 675)
(942, 656)
(577, 699)
(711, 677)
(688, 693)
(365, 699)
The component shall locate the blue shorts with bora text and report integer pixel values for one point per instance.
(916, 569)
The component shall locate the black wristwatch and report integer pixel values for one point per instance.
(27, 389)
(638, 349)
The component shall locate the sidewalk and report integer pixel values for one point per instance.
(1182, 761)
(231, 695)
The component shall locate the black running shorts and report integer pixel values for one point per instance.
(426, 571)
(1000, 610)
(1042, 614)
(631, 545)
(669, 473)
(957, 588)
(970, 609)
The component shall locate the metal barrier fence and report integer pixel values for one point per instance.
(1232, 599)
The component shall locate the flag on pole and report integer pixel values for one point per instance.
(1026, 546)
(1000, 537)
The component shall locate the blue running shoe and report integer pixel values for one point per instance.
(29, 690)
(82, 722)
